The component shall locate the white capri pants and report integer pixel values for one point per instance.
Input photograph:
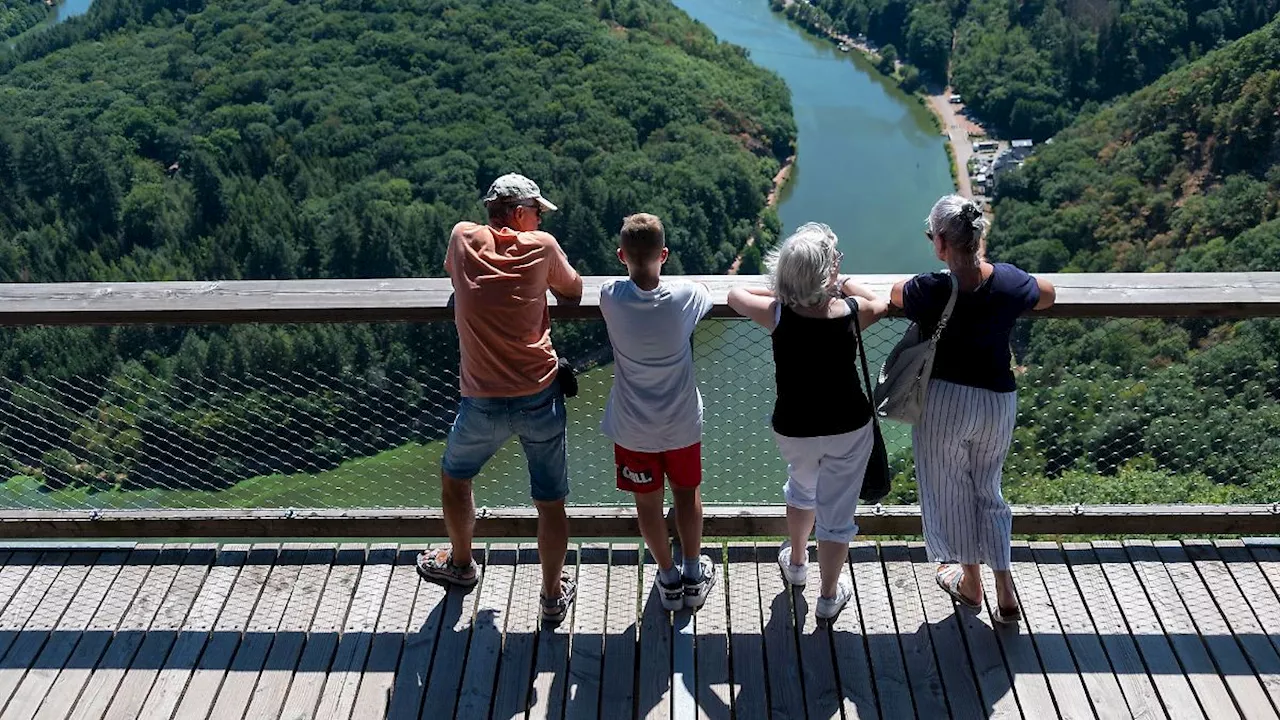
(825, 474)
(960, 444)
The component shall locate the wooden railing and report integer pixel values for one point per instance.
(428, 300)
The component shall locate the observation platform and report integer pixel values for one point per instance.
(1111, 630)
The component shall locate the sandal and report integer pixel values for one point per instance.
(951, 585)
(556, 609)
(1008, 617)
(437, 566)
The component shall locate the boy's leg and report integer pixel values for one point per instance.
(653, 526)
(684, 469)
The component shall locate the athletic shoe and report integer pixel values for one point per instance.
(794, 574)
(828, 608)
(696, 591)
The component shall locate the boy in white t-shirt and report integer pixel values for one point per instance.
(654, 413)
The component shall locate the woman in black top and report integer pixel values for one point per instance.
(821, 417)
(964, 434)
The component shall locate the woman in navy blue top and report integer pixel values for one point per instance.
(963, 436)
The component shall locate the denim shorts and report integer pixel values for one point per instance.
(484, 424)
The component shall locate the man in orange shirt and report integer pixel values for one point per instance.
(501, 272)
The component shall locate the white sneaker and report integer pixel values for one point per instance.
(672, 596)
(794, 574)
(828, 608)
(696, 591)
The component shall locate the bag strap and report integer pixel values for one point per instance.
(862, 353)
(946, 312)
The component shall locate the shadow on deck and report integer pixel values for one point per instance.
(1110, 631)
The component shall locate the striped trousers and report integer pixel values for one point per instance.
(960, 444)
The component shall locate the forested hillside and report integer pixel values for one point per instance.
(184, 139)
(18, 16)
(1029, 68)
(1184, 176)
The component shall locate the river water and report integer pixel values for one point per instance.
(870, 164)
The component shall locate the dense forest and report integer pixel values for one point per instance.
(1029, 68)
(229, 139)
(1182, 176)
(19, 16)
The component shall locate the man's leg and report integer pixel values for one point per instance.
(653, 526)
(553, 543)
(459, 516)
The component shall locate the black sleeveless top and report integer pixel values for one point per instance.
(814, 363)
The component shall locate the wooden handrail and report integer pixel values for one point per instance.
(428, 299)
(595, 522)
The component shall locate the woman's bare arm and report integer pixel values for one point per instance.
(754, 303)
(1048, 294)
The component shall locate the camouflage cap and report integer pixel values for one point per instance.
(514, 187)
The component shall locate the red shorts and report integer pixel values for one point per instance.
(642, 472)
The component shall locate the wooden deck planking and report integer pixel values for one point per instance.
(418, 651)
(995, 677)
(196, 665)
(1173, 622)
(343, 681)
(822, 694)
(854, 679)
(958, 679)
(154, 623)
(1229, 629)
(512, 694)
(1041, 618)
(654, 683)
(552, 655)
(586, 661)
(61, 642)
(714, 686)
(618, 671)
(251, 654)
(1120, 603)
(781, 659)
(29, 596)
(746, 641)
(272, 685)
(204, 593)
(136, 590)
(322, 639)
(1263, 599)
(28, 643)
(379, 677)
(476, 696)
(1268, 559)
(897, 624)
(1081, 635)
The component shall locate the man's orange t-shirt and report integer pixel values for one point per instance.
(500, 282)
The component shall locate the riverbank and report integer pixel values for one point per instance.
(771, 201)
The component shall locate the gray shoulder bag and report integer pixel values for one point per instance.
(904, 379)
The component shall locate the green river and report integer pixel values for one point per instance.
(870, 163)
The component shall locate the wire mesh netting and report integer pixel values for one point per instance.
(1118, 410)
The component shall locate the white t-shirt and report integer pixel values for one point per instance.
(654, 405)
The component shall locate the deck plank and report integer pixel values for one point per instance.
(196, 665)
(821, 689)
(157, 634)
(124, 613)
(1192, 658)
(996, 677)
(59, 646)
(272, 682)
(189, 611)
(1264, 599)
(478, 682)
(552, 664)
(374, 696)
(586, 663)
(251, 653)
(1041, 618)
(786, 694)
(958, 678)
(714, 687)
(1082, 637)
(418, 651)
(618, 671)
(343, 680)
(322, 640)
(1244, 664)
(746, 636)
(1268, 559)
(654, 691)
(17, 566)
(855, 688)
(30, 596)
(512, 696)
(898, 634)
(28, 642)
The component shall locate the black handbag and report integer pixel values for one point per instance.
(567, 378)
(877, 481)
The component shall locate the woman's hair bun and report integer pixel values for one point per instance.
(970, 212)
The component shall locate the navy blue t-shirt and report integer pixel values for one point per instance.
(974, 348)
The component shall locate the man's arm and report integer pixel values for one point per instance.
(565, 282)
